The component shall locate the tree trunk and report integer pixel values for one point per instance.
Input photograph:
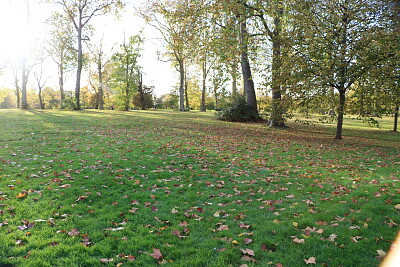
(181, 85)
(396, 118)
(24, 101)
(203, 91)
(79, 69)
(342, 101)
(277, 119)
(41, 102)
(342, 74)
(234, 83)
(17, 92)
(101, 97)
(216, 95)
(61, 81)
(246, 70)
(186, 86)
(141, 92)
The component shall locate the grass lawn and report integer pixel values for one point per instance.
(143, 188)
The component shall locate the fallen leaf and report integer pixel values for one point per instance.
(381, 253)
(247, 258)
(103, 260)
(74, 232)
(248, 251)
(131, 258)
(310, 260)
(156, 254)
(332, 237)
(298, 241)
(173, 211)
(247, 240)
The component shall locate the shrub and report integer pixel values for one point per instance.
(238, 111)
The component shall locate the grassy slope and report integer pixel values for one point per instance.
(197, 189)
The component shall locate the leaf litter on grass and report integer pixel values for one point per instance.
(192, 187)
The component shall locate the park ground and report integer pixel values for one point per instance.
(143, 188)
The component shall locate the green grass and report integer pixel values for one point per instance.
(199, 187)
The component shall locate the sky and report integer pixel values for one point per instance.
(17, 35)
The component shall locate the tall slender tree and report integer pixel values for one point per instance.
(80, 12)
(61, 47)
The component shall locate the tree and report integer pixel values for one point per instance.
(271, 15)
(80, 12)
(177, 27)
(40, 84)
(61, 47)
(125, 68)
(341, 44)
(101, 63)
(143, 99)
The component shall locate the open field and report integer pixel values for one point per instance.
(142, 188)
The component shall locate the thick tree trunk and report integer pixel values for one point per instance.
(277, 119)
(181, 85)
(396, 118)
(79, 70)
(342, 102)
(246, 69)
(203, 90)
(277, 108)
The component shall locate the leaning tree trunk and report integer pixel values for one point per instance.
(342, 101)
(246, 70)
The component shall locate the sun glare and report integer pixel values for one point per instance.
(15, 34)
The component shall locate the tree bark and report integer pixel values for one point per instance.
(234, 83)
(181, 85)
(203, 90)
(61, 81)
(396, 118)
(79, 68)
(100, 73)
(24, 100)
(246, 69)
(277, 119)
(342, 102)
(17, 92)
(141, 92)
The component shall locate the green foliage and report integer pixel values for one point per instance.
(238, 111)
(68, 103)
(125, 72)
